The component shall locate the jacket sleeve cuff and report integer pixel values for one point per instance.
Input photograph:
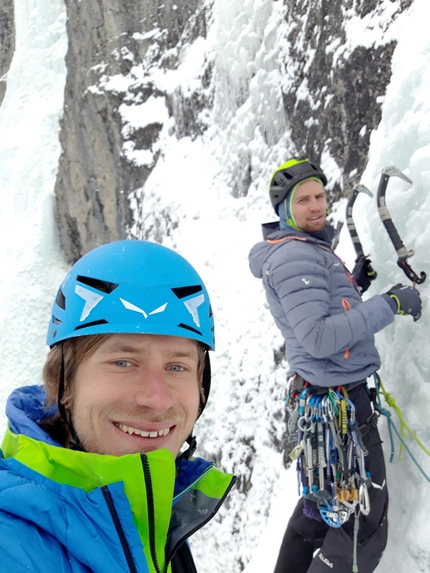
(391, 302)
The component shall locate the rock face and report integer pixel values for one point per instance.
(99, 166)
(7, 41)
(114, 48)
(346, 86)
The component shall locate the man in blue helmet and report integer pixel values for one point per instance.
(340, 522)
(93, 473)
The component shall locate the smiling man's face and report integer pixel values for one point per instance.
(136, 393)
(309, 206)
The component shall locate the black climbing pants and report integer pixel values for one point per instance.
(304, 536)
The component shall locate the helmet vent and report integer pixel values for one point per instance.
(182, 325)
(183, 292)
(61, 300)
(94, 323)
(56, 320)
(286, 175)
(97, 284)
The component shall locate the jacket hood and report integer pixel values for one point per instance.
(272, 233)
(26, 409)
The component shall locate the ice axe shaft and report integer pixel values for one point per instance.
(350, 220)
(353, 231)
(402, 253)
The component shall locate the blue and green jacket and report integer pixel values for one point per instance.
(66, 511)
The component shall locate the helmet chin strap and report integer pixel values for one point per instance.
(74, 442)
(186, 455)
(192, 445)
(206, 385)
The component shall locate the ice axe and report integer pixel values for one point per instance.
(402, 253)
(352, 229)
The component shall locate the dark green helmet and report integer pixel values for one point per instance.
(290, 174)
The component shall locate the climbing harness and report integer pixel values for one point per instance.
(330, 454)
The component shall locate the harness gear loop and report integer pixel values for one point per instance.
(329, 452)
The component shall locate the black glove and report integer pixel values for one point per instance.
(407, 299)
(363, 273)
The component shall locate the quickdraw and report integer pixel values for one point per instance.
(330, 453)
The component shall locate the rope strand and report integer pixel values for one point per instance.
(401, 435)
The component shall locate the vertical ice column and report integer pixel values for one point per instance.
(30, 261)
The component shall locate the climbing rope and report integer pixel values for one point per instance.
(379, 389)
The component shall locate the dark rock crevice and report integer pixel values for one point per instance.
(7, 42)
(346, 88)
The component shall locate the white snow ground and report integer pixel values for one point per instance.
(215, 231)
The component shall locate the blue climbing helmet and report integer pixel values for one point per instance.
(133, 287)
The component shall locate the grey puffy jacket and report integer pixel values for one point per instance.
(328, 330)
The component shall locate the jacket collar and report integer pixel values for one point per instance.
(27, 441)
(74, 473)
(273, 232)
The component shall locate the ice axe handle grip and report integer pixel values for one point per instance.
(393, 234)
(385, 217)
(403, 264)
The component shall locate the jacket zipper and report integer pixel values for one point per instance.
(125, 546)
(346, 306)
(203, 523)
(276, 241)
(151, 511)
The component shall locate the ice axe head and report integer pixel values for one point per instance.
(363, 189)
(392, 171)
